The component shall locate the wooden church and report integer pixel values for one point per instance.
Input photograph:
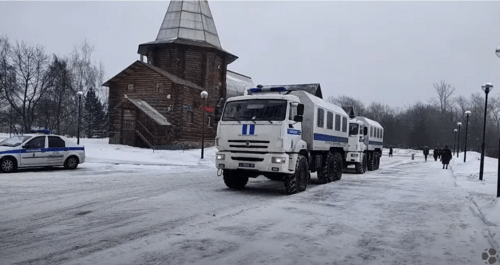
(156, 102)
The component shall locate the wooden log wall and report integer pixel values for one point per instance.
(180, 104)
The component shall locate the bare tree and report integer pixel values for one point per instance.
(346, 101)
(444, 100)
(31, 81)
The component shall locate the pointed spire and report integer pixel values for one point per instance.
(189, 20)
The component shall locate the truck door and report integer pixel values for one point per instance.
(34, 152)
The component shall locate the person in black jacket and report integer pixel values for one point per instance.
(445, 157)
(390, 151)
(435, 154)
(426, 152)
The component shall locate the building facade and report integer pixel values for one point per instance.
(156, 102)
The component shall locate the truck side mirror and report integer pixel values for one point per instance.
(365, 132)
(298, 118)
(300, 110)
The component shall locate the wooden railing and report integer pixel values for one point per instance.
(145, 134)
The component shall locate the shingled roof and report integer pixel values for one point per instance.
(188, 22)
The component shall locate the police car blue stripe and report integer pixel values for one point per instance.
(53, 149)
(329, 138)
(252, 129)
(244, 129)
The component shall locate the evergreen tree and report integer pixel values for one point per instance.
(94, 115)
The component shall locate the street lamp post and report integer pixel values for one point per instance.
(459, 124)
(204, 95)
(79, 93)
(467, 114)
(487, 87)
(454, 139)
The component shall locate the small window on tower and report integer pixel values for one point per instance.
(130, 87)
(159, 87)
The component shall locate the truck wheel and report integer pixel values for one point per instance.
(8, 165)
(376, 161)
(233, 181)
(325, 173)
(361, 166)
(297, 182)
(371, 162)
(337, 167)
(365, 163)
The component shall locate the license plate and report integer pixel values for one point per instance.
(246, 164)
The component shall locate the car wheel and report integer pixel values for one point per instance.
(71, 162)
(8, 165)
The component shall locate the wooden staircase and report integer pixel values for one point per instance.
(145, 135)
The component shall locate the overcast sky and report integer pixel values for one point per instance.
(385, 52)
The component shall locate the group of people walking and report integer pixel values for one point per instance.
(444, 155)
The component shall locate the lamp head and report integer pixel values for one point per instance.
(467, 113)
(459, 124)
(79, 93)
(487, 87)
(204, 94)
(455, 130)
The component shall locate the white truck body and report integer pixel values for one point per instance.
(260, 134)
(365, 144)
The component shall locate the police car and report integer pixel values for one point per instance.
(35, 150)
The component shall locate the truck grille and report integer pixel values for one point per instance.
(250, 144)
(253, 159)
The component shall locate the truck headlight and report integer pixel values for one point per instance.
(221, 156)
(278, 160)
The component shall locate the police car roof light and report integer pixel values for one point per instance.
(272, 89)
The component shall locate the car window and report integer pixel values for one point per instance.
(37, 142)
(55, 141)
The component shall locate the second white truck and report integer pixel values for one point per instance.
(365, 144)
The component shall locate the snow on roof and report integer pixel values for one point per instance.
(237, 84)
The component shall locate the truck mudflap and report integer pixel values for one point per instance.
(272, 162)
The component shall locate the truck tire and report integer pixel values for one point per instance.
(377, 161)
(337, 172)
(365, 163)
(331, 170)
(297, 181)
(233, 181)
(325, 173)
(361, 166)
(371, 162)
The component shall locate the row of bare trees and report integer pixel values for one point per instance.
(39, 91)
(432, 124)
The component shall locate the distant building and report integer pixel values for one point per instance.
(156, 102)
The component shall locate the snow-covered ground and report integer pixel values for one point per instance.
(128, 205)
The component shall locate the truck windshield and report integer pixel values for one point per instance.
(14, 141)
(256, 110)
(353, 129)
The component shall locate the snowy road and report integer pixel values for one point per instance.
(408, 212)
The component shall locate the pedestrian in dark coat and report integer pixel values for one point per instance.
(426, 152)
(435, 154)
(445, 157)
(390, 151)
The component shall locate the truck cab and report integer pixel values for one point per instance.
(260, 134)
